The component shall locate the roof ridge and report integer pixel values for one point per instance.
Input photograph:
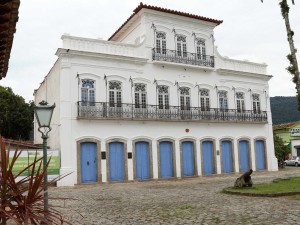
(160, 9)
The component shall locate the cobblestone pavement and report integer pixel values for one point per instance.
(183, 201)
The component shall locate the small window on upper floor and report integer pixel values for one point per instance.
(204, 99)
(256, 103)
(161, 43)
(200, 48)
(240, 102)
(163, 97)
(140, 95)
(181, 46)
(185, 98)
(87, 92)
(223, 101)
(115, 94)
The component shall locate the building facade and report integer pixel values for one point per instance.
(156, 101)
(290, 135)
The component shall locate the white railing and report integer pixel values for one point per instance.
(100, 46)
(223, 62)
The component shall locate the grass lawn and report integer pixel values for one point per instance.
(277, 186)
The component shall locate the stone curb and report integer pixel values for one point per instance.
(226, 191)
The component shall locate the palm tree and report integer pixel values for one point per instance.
(293, 67)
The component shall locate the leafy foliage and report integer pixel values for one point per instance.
(22, 198)
(281, 150)
(284, 109)
(16, 116)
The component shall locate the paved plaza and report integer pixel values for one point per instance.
(183, 201)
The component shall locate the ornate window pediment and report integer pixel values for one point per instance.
(163, 89)
(255, 97)
(181, 38)
(87, 83)
(184, 90)
(204, 92)
(140, 87)
(200, 41)
(222, 94)
(161, 35)
(115, 85)
(239, 95)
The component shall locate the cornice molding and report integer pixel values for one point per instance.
(226, 72)
(68, 52)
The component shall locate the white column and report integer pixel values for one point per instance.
(154, 159)
(218, 157)
(199, 156)
(252, 153)
(103, 162)
(130, 161)
(236, 155)
(178, 161)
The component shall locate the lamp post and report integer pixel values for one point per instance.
(43, 114)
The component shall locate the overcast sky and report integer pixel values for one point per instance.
(251, 30)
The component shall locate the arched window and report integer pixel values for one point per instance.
(163, 97)
(140, 95)
(200, 48)
(181, 46)
(223, 101)
(240, 102)
(161, 43)
(88, 92)
(115, 94)
(204, 99)
(256, 103)
(185, 98)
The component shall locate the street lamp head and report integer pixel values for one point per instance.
(43, 113)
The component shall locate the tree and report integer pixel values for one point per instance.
(16, 116)
(293, 67)
(281, 150)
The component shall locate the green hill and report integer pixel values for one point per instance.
(284, 109)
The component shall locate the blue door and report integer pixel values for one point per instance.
(260, 155)
(227, 157)
(88, 162)
(208, 157)
(166, 159)
(244, 156)
(142, 164)
(188, 166)
(116, 161)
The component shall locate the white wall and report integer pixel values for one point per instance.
(96, 59)
(49, 91)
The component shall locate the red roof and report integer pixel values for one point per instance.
(9, 11)
(144, 6)
(28, 144)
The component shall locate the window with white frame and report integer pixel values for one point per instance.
(140, 95)
(185, 98)
(161, 43)
(256, 103)
(163, 97)
(88, 92)
(200, 48)
(115, 94)
(223, 101)
(204, 99)
(240, 102)
(181, 46)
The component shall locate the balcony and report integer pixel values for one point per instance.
(124, 111)
(182, 57)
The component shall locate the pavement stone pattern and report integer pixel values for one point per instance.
(180, 201)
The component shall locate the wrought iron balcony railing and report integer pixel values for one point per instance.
(182, 57)
(124, 111)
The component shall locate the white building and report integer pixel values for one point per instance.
(155, 101)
